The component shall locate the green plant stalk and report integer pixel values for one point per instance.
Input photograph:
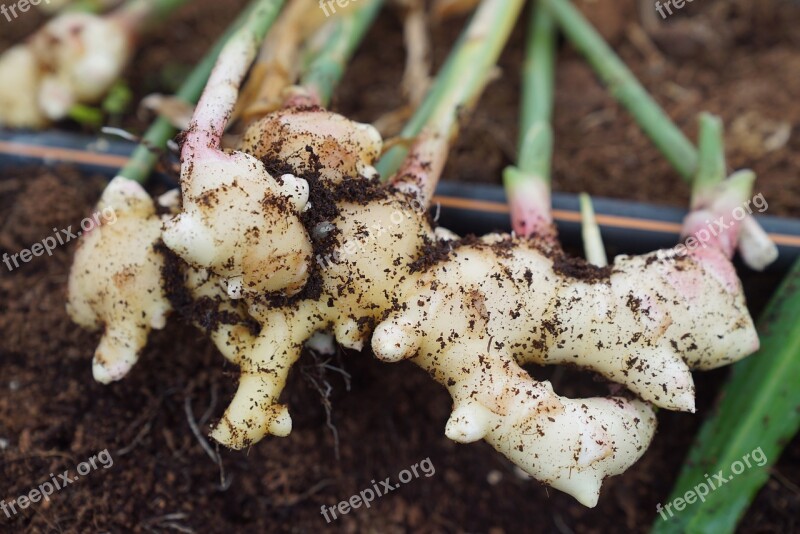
(711, 159)
(711, 162)
(527, 184)
(712, 189)
(461, 80)
(757, 250)
(538, 86)
(624, 86)
(760, 408)
(590, 231)
(327, 64)
(145, 156)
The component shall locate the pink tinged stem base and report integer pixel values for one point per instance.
(530, 205)
(717, 215)
(423, 167)
(702, 233)
(302, 97)
(219, 98)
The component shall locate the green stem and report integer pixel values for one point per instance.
(592, 238)
(528, 184)
(754, 245)
(711, 160)
(146, 155)
(675, 146)
(216, 105)
(759, 412)
(327, 63)
(538, 85)
(460, 81)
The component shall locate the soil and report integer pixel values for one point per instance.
(735, 58)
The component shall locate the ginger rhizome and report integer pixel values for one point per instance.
(115, 282)
(468, 311)
(471, 311)
(368, 267)
(73, 59)
(292, 236)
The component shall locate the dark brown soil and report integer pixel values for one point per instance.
(741, 63)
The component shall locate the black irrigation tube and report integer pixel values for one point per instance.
(627, 227)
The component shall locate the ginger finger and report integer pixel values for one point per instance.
(115, 281)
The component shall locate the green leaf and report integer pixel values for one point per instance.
(87, 115)
(118, 99)
(759, 411)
